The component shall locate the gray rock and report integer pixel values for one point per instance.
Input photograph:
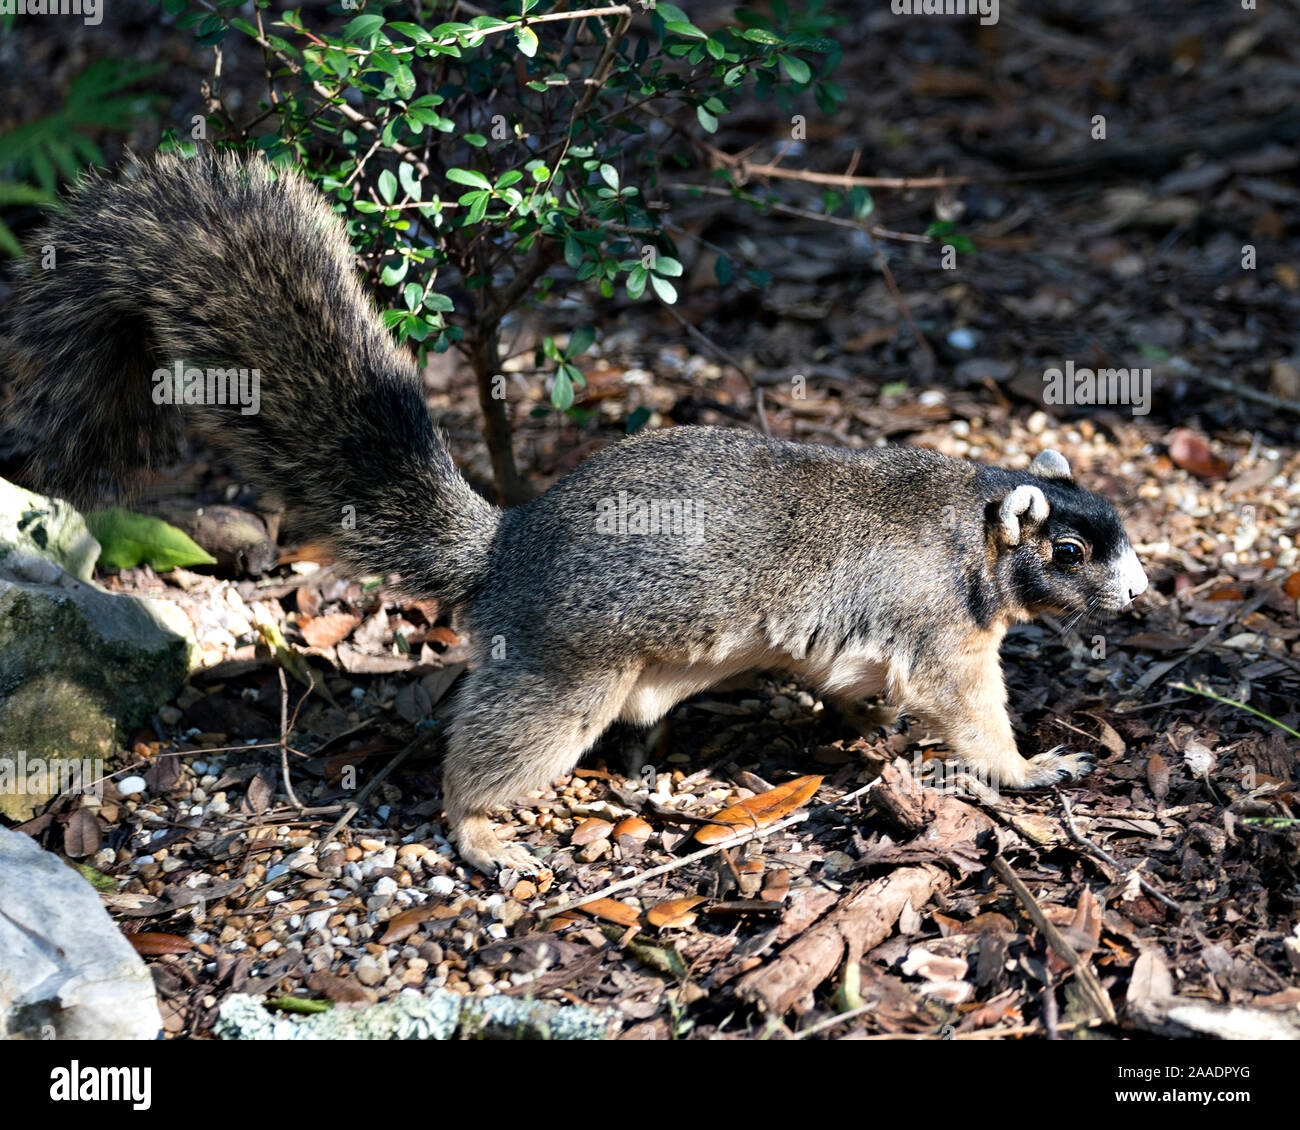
(78, 665)
(436, 1015)
(66, 971)
(48, 528)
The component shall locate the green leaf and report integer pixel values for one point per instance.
(684, 28)
(468, 177)
(410, 178)
(662, 287)
(527, 40)
(362, 27)
(478, 205)
(393, 273)
(609, 175)
(128, 540)
(299, 1004)
(97, 879)
(666, 265)
(562, 391)
(387, 186)
(581, 340)
(411, 31)
(413, 294)
(707, 120)
(796, 68)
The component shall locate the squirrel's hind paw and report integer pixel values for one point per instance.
(479, 847)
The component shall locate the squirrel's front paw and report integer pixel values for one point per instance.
(1054, 768)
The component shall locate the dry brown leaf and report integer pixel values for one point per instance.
(1156, 641)
(1231, 592)
(633, 826)
(1291, 586)
(1082, 931)
(444, 636)
(777, 886)
(402, 926)
(1158, 770)
(612, 911)
(673, 912)
(81, 837)
(151, 945)
(328, 630)
(591, 830)
(1110, 738)
(760, 811)
(1192, 452)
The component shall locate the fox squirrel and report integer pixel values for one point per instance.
(659, 567)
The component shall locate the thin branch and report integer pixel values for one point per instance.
(1100, 853)
(355, 806)
(1066, 952)
(285, 726)
(745, 171)
(703, 338)
(1247, 393)
(685, 860)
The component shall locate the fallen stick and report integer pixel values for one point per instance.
(863, 921)
(1066, 952)
(1160, 670)
(663, 869)
(1100, 853)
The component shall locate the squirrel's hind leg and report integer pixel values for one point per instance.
(514, 731)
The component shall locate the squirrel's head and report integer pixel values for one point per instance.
(1060, 547)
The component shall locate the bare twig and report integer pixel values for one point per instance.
(1160, 670)
(704, 339)
(1066, 952)
(825, 1025)
(285, 726)
(355, 806)
(685, 860)
(1100, 853)
(1248, 393)
(745, 170)
(839, 222)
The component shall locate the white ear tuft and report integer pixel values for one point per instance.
(1021, 500)
(1050, 464)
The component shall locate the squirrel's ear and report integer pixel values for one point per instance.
(1051, 464)
(1024, 504)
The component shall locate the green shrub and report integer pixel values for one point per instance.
(485, 163)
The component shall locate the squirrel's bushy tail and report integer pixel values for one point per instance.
(221, 263)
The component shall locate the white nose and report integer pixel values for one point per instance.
(1133, 578)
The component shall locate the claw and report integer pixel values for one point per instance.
(1054, 767)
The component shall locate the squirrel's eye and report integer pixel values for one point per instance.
(1067, 555)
